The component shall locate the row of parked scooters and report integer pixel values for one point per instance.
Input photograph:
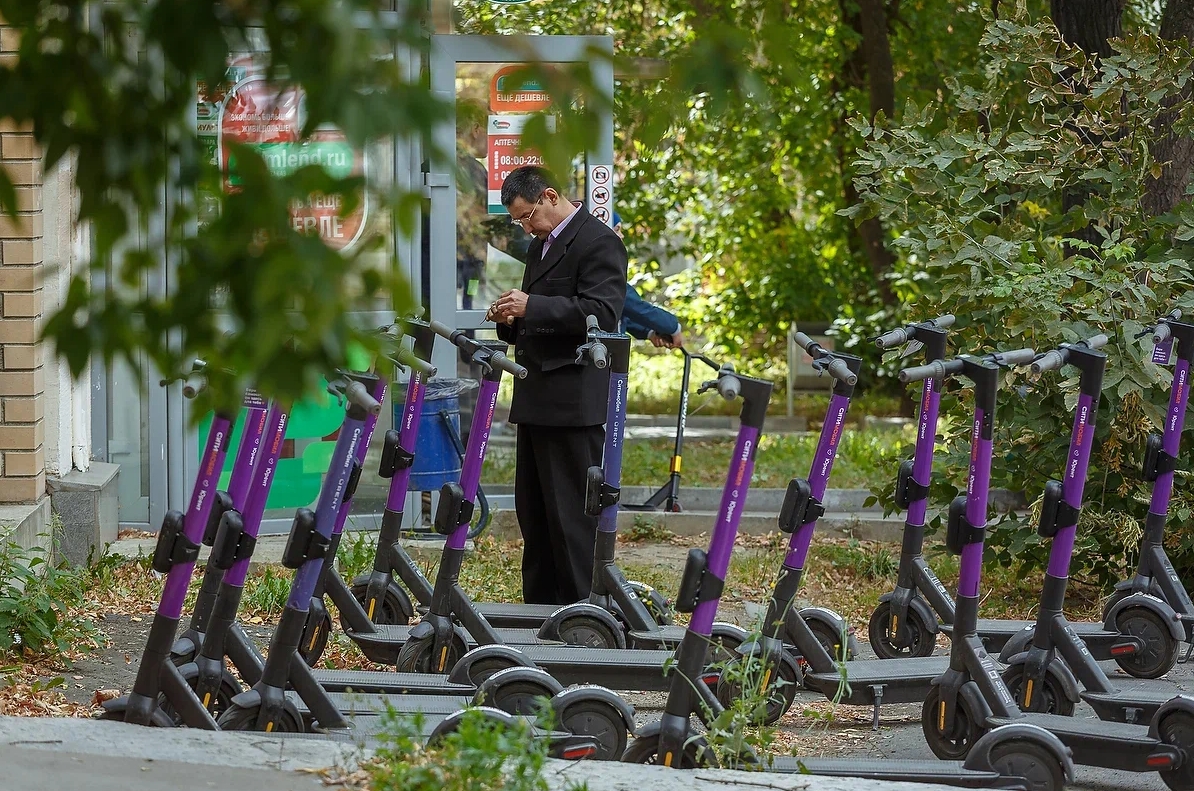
(996, 725)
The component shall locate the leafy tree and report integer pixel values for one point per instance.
(1025, 212)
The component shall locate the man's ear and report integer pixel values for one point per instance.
(552, 196)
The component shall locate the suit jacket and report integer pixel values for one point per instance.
(640, 317)
(584, 274)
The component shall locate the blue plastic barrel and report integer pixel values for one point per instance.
(436, 459)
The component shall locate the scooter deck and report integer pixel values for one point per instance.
(1130, 704)
(386, 682)
(1112, 745)
(394, 636)
(516, 616)
(995, 633)
(951, 773)
(372, 704)
(891, 681)
(661, 638)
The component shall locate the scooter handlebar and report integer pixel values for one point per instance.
(194, 384)
(804, 341)
(500, 360)
(1051, 361)
(1015, 357)
(902, 335)
(357, 394)
(404, 356)
(599, 355)
(729, 386)
(1161, 333)
(918, 373)
(840, 371)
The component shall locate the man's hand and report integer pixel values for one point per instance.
(509, 306)
(675, 341)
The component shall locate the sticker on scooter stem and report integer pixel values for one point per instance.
(1163, 352)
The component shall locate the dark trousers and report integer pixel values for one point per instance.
(549, 497)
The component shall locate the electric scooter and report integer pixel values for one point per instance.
(904, 624)
(970, 696)
(1149, 616)
(1023, 757)
(616, 613)
(1045, 677)
(267, 706)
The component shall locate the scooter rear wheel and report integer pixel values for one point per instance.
(1177, 730)
(245, 719)
(315, 639)
(922, 641)
(395, 606)
(418, 655)
(645, 750)
(600, 722)
(1038, 766)
(1050, 699)
(1160, 649)
(954, 745)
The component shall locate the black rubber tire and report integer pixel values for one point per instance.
(229, 689)
(1115, 598)
(315, 639)
(396, 606)
(523, 697)
(482, 669)
(1034, 763)
(645, 750)
(1050, 700)
(1160, 649)
(956, 745)
(599, 721)
(587, 631)
(779, 697)
(879, 632)
(830, 639)
(415, 656)
(238, 719)
(655, 602)
(1177, 730)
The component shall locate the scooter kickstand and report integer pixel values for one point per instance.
(878, 689)
(1189, 652)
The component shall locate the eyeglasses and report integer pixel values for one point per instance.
(527, 218)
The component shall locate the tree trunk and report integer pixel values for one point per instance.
(1174, 154)
(868, 66)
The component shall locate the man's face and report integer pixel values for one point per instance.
(532, 215)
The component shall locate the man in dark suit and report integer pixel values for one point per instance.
(576, 267)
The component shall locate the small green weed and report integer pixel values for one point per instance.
(647, 528)
(872, 562)
(266, 591)
(480, 755)
(356, 553)
(36, 596)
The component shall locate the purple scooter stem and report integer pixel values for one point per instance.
(408, 437)
(250, 444)
(1174, 421)
(262, 478)
(733, 501)
(379, 393)
(818, 479)
(474, 454)
(174, 593)
(926, 439)
(615, 429)
(977, 488)
(1073, 483)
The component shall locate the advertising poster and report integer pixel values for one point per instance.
(513, 101)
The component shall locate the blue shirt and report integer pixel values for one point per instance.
(639, 317)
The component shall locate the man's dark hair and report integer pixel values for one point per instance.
(528, 183)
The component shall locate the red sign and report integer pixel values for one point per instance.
(504, 155)
(509, 93)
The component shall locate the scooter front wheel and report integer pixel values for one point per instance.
(395, 606)
(1160, 649)
(954, 744)
(1050, 698)
(645, 750)
(921, 641)
(769, 691)
(217, 704)
(237, 718)
(419, 655)
(1177, 730)
(1037, 766)
(600, 722)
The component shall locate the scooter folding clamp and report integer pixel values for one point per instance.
(305, 542)
(1056, 513)
(232, 542)
(959, 532)
(799, 506)
(219, 506)
(453, 510)
(908, 489)
(696, 585)
(1156, 461)
(599, 495)
(354, 478)
(173, 546)
(394, 457)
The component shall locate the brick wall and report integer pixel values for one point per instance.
(22, 376)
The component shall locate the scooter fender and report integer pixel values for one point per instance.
(836, 623)
(922, 609)
(1182, 703)
(755, 648)
(582, 692)
(1017, 644)
(248, 699)
(487, 691)
(393, 590)
(116, 707)
(1130, 584)
(550, 630)
(487, 656)
(979, 758)
(1150, 602)
(1060, 672)
(451, 723)
(730, 633)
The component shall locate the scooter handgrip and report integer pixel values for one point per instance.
(441, 329)
(893, 338)
(803, 340)
(1161, 333)
(1050, 361)
(1097, 342)
(600, 355)
(919, 373)
(356, 393)
(840, 371)
(499, 360)
(729, 386)
(193, 385)
(1018, 357)
(941, 322)
(404, 356)
(591, 324)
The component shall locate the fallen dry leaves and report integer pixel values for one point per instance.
(24, 692)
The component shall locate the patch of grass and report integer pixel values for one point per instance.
(266, 591)
(356, 553)
(646, 528)
(37, 596)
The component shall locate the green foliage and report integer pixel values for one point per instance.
(267, 590)
(977, 199)
(480, 756)
(356, 554)
(36, 596)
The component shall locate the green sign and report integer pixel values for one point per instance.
(282, 159)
